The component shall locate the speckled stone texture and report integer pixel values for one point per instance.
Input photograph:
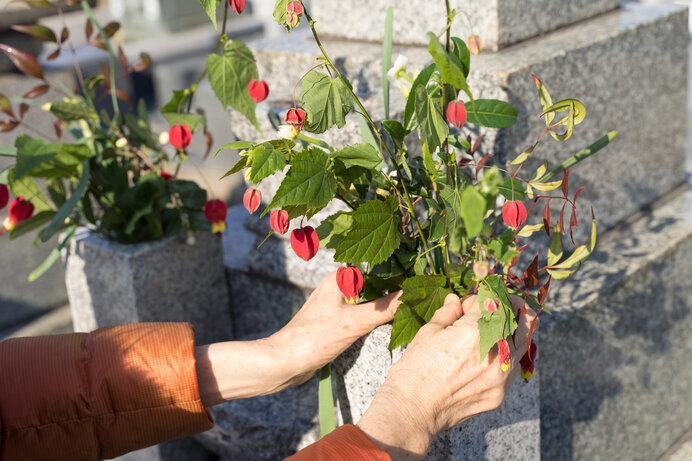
(499, 22)
(629, 67)
(614, 375)
(109, 284)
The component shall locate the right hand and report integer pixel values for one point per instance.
(440, 381)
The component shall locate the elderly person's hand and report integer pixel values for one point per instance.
(440, 381)
(324, 327)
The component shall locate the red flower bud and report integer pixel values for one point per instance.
(295, 118)
(350, 282)
(527, 362)
(295, 7)
(514, 213)
(215, 211)
(180, 136)
(237, 5)
(491, 305)
(258, 89)
(305, 242)
(252, 200)
(279, 221)
(481, 269)
(4, 196)
(456, 113)
(166, 176)
(503, 348)
(20, 210)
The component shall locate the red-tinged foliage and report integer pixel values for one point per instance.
(64, 35)
(23, 108)
(543, 291)
(42, 33)
(546, 218)
(252, 200)
(482, 162)
(350, 282)
(25, 62)
(37, 91)
(531, 273)
(476, 144)
(122, 59)
(8, 125)
(305, 242)
(565, 187)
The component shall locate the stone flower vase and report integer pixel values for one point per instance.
(168, 280)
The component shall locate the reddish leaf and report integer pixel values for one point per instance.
(53, 55)
(210, 142)
(37, 91)
(105, 71)
(143, 64)
(565, 188)
(546, 218)
(26, 62)
(576, 196)
(57, 126)
(543, 291)
(514, 260)
(5, 105)
(531, 273)
(88, 30)
(476, 144)
(123, 59)
(572, 224)
(562, 218)
(8, 125)
(482, 163)
(123, 96)
(111, 29)
(42, 33)
(515, 279)
(23, 108)
(64, 35)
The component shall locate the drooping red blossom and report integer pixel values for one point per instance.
(305, 242)
(237, 5)
(279, 221)
(503, 348)
(20, 210)
(180, 136)
(166, 176)
(4, 196)
(456, 113)
(215, 211)
(258, 89)
(350, 282)
(252, 199)
(514, 213)
(295, 118)
(528, 363)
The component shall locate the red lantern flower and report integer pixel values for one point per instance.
(514, 213)
(180, 136)
(215, 211)
(258, 89)
(279, 221)
(237, 5)
(4, 196)
(295, 118)
(20, 210)
(527, 362)
(305, 242)
(504, 354)
(166, 176)
(252, 199)
(456, 113)
(350, 282)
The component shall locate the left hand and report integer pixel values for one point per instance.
(327, 325)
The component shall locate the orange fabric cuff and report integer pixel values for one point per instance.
(346, 443)
(98, 395)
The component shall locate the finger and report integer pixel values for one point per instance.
(450, 312)
(470, 304)
(380, 311)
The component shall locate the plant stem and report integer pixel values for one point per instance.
(407, 197)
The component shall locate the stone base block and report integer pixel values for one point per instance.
(168, 280)
(614, 374)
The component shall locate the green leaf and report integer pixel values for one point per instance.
(431, 123)
(54, 255)
(546, 99)
(210, 7)
(580, 156)
(192, 196)
(503, 247)
(581, 253)
(280, 10)
(27, 188)
(491, 113)
(8, 151)
(31, 153)
(529, 230)
(555, 250)
(326, 401)
(72, 110)
(230, 75)
(425, 294)
(240, 164)
(374, 236)
(363, 155)
(175, 112)
(326, 101)
(410, 110)
(308, 182)
(512, 189)
(265, 162)
(387, 57)
(405, 326)
(462, 53)
(459, 142)
(65, 210)
(452, 201)
(333, 229)
(472, 211)
(499, 324)
(452, 73)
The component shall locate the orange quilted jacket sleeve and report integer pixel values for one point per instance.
(85, 397)
(347, 443)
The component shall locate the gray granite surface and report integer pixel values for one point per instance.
(499, 23)
(168, 280)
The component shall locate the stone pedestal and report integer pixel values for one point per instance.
(168, 280)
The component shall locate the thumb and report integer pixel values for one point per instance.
(449, 313)
(380, 311)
